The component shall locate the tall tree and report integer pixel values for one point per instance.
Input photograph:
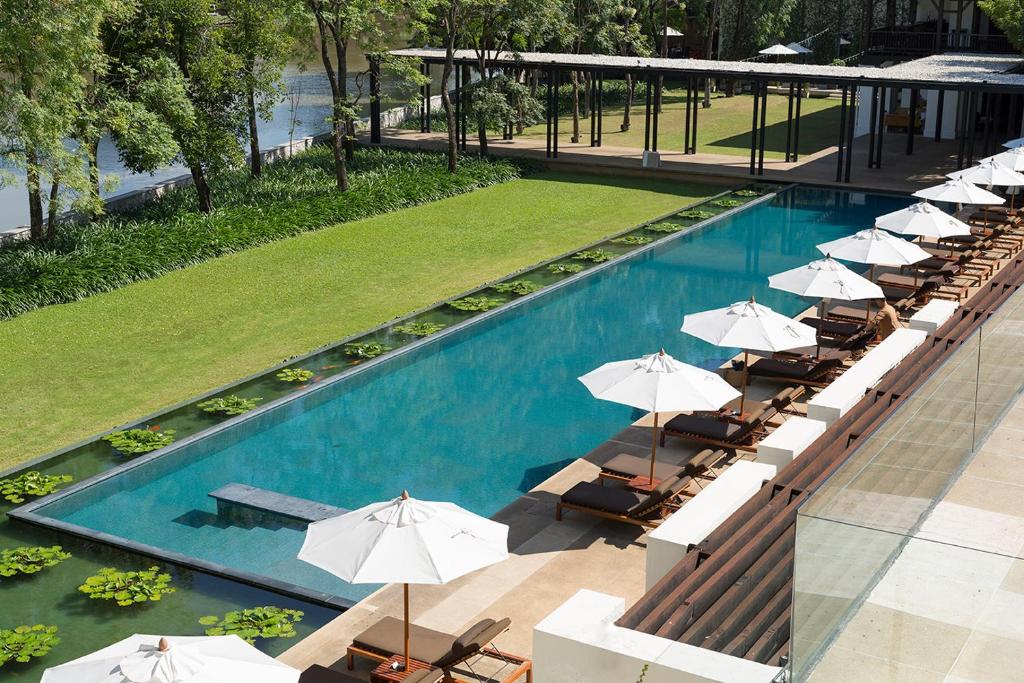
(255, 31)
(1008, 15)
(46, 49)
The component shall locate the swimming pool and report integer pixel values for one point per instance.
(477, 416)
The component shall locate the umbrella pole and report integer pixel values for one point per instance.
(406, 590)
(746, 374)
(867, 312)
(817, 336)
(654, 446)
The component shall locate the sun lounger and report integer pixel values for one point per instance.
(386, 638)
(622, 505)
(815, 374)
(321, 674)
(720, 432)
(624, 466)
(833, 328)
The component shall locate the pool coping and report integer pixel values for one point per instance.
(27, 513)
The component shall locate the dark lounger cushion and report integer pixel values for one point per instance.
(767, 367)
(387, 637)
(707, 427)
(321, 674)
(635, 466)
(607, 498)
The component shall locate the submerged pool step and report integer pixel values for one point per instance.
(249, 505)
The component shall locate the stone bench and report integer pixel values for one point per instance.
(249, 504)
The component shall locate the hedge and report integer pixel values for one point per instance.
(294, 196)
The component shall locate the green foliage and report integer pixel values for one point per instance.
(565, 268)
(293, 196)
(33, 484)
(228, 405)
(366, 349)
(419, 329)
(1008, 15)
(517, 287)
(127, 588)
(295, 375)
(475, 303)
(29, 559)
(697, 214)
(256, 622)
(635, 240)
(747, 193)
(501, 101)
(24, 643)
(594, 255)
(136, 441)
(726, 202)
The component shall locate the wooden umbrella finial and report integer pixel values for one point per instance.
(405, 494)
(163, 645)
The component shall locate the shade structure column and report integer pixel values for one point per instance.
(754, 88)
(972, 118)
(940, 104)
(872, 124)
(423, 99)
(600, 107)
(842, 136)
(647, 111)
(466, 81)
(426, 93)
(458, 106)
(556, 102)
(593, 107)
(851, 125)
(763, 134)
(547, 112)
(693, 123)
(789, 122)
(880, 126)
(912, 120)
(796, 121)
(375, 117)
(656, 112)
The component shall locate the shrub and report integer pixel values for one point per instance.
(253, 623)
(228, 405)
(127, 588)
(136, 441)
(30, 560)
(294, 375)
(475, 303)
(565, 268)
(594, 255)
(419, 329)
(24, 643)
(33, 484)
(293, 196)
(366, 349)
(633, 239)
(517, 287)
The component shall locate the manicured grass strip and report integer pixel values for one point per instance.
(71, 371)
(293, 197)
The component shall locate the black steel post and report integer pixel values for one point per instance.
(938, 115)
(423, 101)
(989, 107)
(753, 128)
(972, 120)
(554, 118)
(880, 125)
(912, 120)
(467, 80)
(796, 122)
(458, 106)
(789, 122)
(647, 112)
(655, 113)
(600, 107)
(593, 115)
(872, 123)
(375, 100)
(842, 137)
(763, 133)
(851, 126)
(547, 112)
(693, 128)
(426, 90)
(686, 122)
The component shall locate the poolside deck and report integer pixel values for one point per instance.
(899, 173)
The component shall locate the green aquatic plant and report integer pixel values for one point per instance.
(24, 643)
(666, 226)
(727, 203)
(517, 287)
(565, 268)
(419, 329)
(747, 193)
(475, 303)
(136, 441)
(296, 375)
(33, 484)
(366, 349)
(633, 240)
(127, 588)
(228, 405)
(697, 214)
(30, 559)
(594, 255)
(256, 622)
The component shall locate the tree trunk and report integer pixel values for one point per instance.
(92, 150)
(35, 199)
(481, 132)
(629, 103)
(350, 139)
(255, 161)
(53, 209)
(575, 107)
(336, 79)
(709, 48)
(446, 76)
(202, 188)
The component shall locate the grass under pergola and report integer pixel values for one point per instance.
(72, 370)
(724, 128)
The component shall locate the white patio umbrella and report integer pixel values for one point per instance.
(924, 220)
(174, 659)
(958, 191)
(749, 326)
(658, 383)
(825, 279)
(1016, 142)
(1011, 158)
(778, 49)
(990, 172)
(405, 541)
(799, 49)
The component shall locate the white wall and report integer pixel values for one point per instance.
(928, 99)
(579, 642)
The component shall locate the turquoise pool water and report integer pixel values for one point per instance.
(477, 417)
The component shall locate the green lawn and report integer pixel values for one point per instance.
(722, 129)
(72, 370)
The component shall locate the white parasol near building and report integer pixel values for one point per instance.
(405, 541)
(175, 659)
(658, 383)
(958, 191)
(923, 220)
(749, 326)
(778, 50)
(876, 248)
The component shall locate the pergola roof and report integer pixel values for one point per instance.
(956, 71)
